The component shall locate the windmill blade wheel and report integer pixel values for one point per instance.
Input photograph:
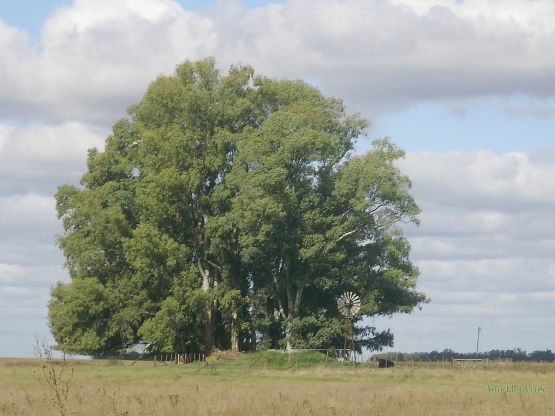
(348, 304)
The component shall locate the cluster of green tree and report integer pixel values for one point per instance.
(227, 211)
(447, 355)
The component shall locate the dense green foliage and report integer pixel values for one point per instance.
(228, 212)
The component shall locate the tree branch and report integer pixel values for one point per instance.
(347, 234)
(201, 269)
(214, 264)
(205, 276)
(377, 207)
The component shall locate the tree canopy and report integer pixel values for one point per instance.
(229, 211)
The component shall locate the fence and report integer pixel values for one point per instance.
(171, 358)
(340, 354)
(470, 362)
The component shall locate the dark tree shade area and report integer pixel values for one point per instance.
(228, 211)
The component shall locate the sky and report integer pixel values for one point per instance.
(467, 88)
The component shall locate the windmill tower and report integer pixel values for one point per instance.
(348, 305)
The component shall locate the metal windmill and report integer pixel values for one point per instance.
(348, 305)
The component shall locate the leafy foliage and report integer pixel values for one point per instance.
(227, 211)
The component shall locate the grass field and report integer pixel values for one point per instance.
(269, 384)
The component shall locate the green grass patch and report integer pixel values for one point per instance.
(278, 359)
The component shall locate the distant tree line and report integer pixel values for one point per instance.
(447, 355)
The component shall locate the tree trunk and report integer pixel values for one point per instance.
(234, 331)
(209, 331)
(209, 327)
(294, 304)
(288, 345)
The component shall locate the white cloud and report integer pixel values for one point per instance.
(484, 248)
(10, 273)
(33, 162)
(17, 71)
(28, 252)
(380, 54)
(482, 180)
(25, 216)
(38, 159)
(30, 264)
(96, 57)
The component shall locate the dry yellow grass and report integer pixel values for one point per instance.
(242, 388)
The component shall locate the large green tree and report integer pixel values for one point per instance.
(227, 212)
